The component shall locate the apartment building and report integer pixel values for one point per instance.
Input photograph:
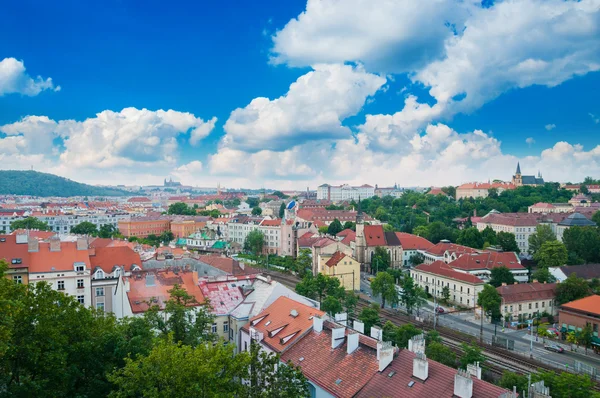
(141, 227)
(340, 193)
(574, 316)
(522, 301)
(481, 189)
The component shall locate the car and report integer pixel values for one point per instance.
(554, 347)
(439, 310)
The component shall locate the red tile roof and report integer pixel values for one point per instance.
(440, 248)
(339, 373)
(440, 381)
(41, 235)
(139, 199)
(108, 257)
(527, 292)
(487, 185)
(276, 322)
(308, 239)
(590, 304)
(440, 268)
(335, 259)
(271, 223)
(348, 236)
(413, 242)
(436, 191)
(487, 260)
(142, 290)
(228, 265)
(11, 250)
(45, 260)
(376, 236)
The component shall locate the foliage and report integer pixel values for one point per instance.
(381, 259)
(350, 225)
(471, 354)
(489, 299)
(181, 208)
(584, 242)
(551, 254)
(416, 259)
(573, 288)
(440, 353)
(507, 242)
(432, 337)
(470, 237)
(489, 236)
(15, 182)
(543, 275)
(510, 379)
(256, 211)
(500, 275)
(596, 218)
(109, 231)
(543, 233)
(85, 228)
(370, 317)
(566, 384)
(446, 293)
(332, 305)
(335, 227)
(350, 302)
(412, 297)
(252, 202)
(280, 195)
(303, 262)
(254, 242)
(319, 287)
(384, 285)
(323, 229)
(29, 223)
(282, 210)
(400, 335)
(166, 237)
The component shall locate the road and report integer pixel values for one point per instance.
(464, 322)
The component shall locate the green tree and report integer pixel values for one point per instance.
(107, 231)
(332, 305)
(471, 354)
(489, 299)
(584, 242)
(543, 233)
(335, 227)
(400, 335)
(507, 242)
(85, 228)
(282, 210)
(323, 229)
(381, 260)
(416, 259)
(489, 236)
(383, 285)
(413, 297)
(500, 275)
(256, 211)
(573, 288)
(303, 263)
(510, 379)
(543, 275)
(433, 336)
(166, 237)
(180, 208)
(252, 202)
(566, 384)
(350, 302)
(596, 218)
(280, 195)
(440, 353)
(29, 223)
(254, 242)
(470, 237)
(350, 225)
(551, 254)
(307, 286)
(446, 294)
(370, 317)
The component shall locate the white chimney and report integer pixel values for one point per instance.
(337, 336)
(417, 344)
(376, 333)
(33, 245)
(352, 344)
(21, 237)
(82, 244)
(420, 367)
(385, 354)
(474, 370)
(463, 384)
(317, 324)
(342, 318)
(359, 327)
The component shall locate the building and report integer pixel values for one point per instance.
(481, 189)
(271, 229)
(388, 191)
(171, 184)
(411, 245)
(326, 217)
(463, 286)
(522, 301)
(520, 180)
(545, 208)
(445, 251)
(64, 222)
(344, 192)
(342, 266)
(369, 238)
(580, 200)
(574, 316)
(182, 226)
(481, 264)
(141, 227)
(585, 271)
(14, 249)
(574, 220)
(7, 216)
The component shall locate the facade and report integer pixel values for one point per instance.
(445, 251)
(411, 245)
(271, 229)
(7, 216)
(574, 316)
(14, 249)
(141, 227)
(481, 190)
(345, 192)
(64, 222)
(481, 264)
(326, 217)
(183, 227)
(342, 266)
(369, 237)
(522, 301)
(522, 225)
(585, 271)
(519, 180)
(291, 231)
(546, 208)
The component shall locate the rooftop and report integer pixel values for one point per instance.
(590, 305)
(442, 269)
(487, 260)
(107, 258)
(577, 220)
(527, 292)
(413, 242)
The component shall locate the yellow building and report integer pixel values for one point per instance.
(343, 267)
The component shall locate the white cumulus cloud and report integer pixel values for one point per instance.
(550, 127)
(529, 141)
(15, 80)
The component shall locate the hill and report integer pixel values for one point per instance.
(19, 182)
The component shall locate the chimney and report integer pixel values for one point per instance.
(55, 244)
(337, 336)
(420, 367)
(539, 390)
(317, 324)
(82, 244)
(474, 369)
(359, 326)
(417, 344)
(515, 283)
(342, 318)
(503, 283)
(385, 354)
(376, 333)
(150, 280)
(33, 245)
(463, 384)
(22, 237)
(352, 344)
(535, 281)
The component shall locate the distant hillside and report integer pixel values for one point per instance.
(17, 182)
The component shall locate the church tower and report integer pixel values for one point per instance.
(360, 243)
(517, 179)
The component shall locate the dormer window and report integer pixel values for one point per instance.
(99, 274)
(79, 267)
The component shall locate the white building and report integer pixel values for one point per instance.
(239, 227)
(345, 192)
(64, 222)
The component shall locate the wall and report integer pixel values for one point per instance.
(347, 271)
(522, 308)
(461, 293)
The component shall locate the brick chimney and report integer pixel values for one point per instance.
(463, 384)
(317, 324)
(55, 244)
(337, 336)
(420, 367)
(352, 344)
(33, 245)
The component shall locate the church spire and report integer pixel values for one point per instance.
(518, 168)
(359, 213)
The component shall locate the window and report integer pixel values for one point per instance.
(543, 304)
(536, 305)
(80, 268)
(79, 283)
(225, 327)
(81, 299)
(461, 289)
(468, 290)
(99, 291)
(100, 274)
(100, 306)
(214, 328)
(18, 278)
(455, 287)
(61, 285)
(529, 305)
(511, 308)
(519, 307)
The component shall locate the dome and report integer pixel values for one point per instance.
(577, 220)
(291, 205)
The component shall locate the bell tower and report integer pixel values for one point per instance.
(360, 243)
(517, 179)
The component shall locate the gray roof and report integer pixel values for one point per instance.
(532, 180)
(587, 271)
(577, 220)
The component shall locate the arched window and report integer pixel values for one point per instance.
(99, 274)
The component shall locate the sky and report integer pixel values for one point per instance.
(293, 94)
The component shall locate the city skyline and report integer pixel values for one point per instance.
(268, 95)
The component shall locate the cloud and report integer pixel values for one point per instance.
(312, 109)
(15, 80)
(595, 118)
(530, 141)
(550, 127)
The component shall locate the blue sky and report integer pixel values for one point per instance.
(382, 92)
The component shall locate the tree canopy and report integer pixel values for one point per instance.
(573, 288)
(383, 285)
(489, 299)
(254, 242)
(181, 208)
(381, 260)
(30, 223)
(552, 253)
(500, 275)
(335, 227)
(470, 237)
(85, 228)
(543, 233)
(583, 243)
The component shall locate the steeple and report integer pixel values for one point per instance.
(518, 169)
(359, 213)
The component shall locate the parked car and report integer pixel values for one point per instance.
(439, 310)
(553, 347)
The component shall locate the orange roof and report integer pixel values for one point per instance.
(271, 223)
(335, 259)
(413, 242)
(64, 259)
(152, 287)
(279, 327)
(11, 250)
(41, 235)
(440, 268)
(590, 304)
(108, 257)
